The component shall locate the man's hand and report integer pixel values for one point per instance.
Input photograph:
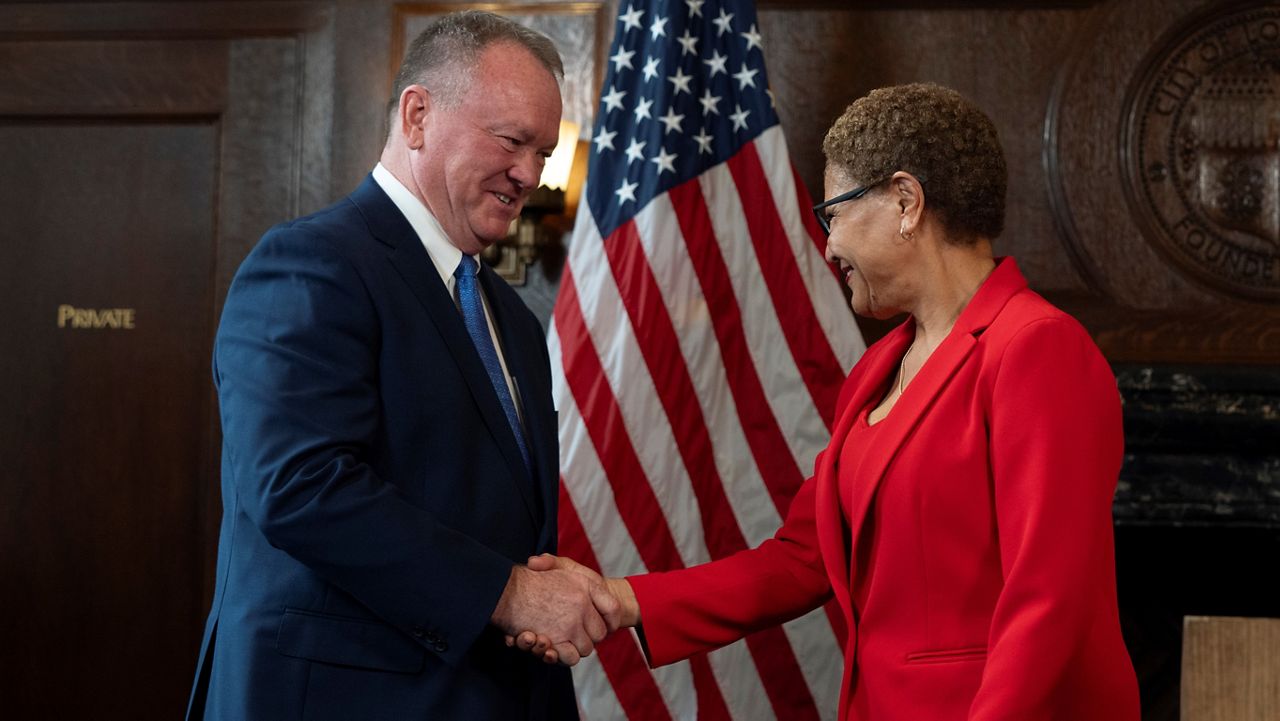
(568, 609)
(613, 597)
(611, 605)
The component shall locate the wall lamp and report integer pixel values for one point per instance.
(537, 236)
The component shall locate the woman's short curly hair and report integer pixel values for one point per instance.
(938, 136)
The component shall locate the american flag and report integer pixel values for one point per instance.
(698, 343)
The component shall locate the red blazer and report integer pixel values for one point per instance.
(989, 562)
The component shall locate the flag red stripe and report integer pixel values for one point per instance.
(695, 224)
(636, 502)
(805, 203)
(780, 673)
(656, 337)
(586, 379)
(711, 703)
(620, 657)
(817, 362)
(778, 469)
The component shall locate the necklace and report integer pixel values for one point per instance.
(902, 368)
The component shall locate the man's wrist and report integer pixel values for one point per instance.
(501, 616)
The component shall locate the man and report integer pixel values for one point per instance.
(389, 440)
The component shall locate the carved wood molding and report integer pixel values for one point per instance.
(1224, 334)
(55, 20)
(1165, 212)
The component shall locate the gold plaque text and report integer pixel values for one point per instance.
(70, 316)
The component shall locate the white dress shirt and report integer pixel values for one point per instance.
(444, 255)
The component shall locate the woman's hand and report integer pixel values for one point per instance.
(604, 589)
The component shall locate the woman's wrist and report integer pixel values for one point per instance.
(621, 589)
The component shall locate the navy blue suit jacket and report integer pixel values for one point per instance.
(374, 497)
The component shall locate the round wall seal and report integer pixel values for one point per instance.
(1202, 149)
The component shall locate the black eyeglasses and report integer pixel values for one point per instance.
(854, 194)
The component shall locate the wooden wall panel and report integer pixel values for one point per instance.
(175, 133)
(104, 483)
(81, 77)
(820, 60)
(147, 147)
(1055, 78)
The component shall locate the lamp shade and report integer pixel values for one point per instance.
(555, 174)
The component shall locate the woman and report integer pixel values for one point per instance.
(961, 514)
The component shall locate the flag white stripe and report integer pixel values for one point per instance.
(596, 505)
(784, 388)
(642, 413)
(739, 680)
(828, 300)
(674, 273)
(733, 666)
(559, 388)
(820, 657)
(616, 552)
(596, 699)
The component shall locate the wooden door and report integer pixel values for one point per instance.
(143, 149)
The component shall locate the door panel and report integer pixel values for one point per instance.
(142, 153)
(110, 231)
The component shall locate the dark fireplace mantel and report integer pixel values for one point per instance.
(1202, 446)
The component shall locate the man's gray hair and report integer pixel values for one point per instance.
(442, 57)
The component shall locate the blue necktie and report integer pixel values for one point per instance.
(478, 329)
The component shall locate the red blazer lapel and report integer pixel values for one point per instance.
(937, 372)
(873, 367)
(827, 513)
(905, 416)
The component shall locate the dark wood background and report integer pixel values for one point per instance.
(145, 146)
(143, 150)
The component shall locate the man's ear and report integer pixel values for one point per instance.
(415, 107)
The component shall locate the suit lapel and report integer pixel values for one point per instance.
(410, 259)
(831, 531)
(933, 377)
(830, 522)
(905, 416)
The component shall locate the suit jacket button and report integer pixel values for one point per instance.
(417, 632)
(441, 646)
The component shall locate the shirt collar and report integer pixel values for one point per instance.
(444, 254)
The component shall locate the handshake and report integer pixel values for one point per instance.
(558, 609)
